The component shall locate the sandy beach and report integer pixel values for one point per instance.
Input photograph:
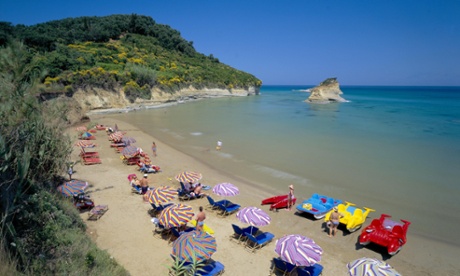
(125, 231)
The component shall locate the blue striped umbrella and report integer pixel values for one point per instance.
(175, 215)
(298, 250)
(225, 189)
(187, 177)
(253, 216)
(129, 151)
(73, 187)
(195, 243)
(370, 267)
(162, 195)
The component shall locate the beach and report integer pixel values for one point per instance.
(125, 231)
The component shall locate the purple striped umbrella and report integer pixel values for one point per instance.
(371, 267)
(253, 216)
(73, 187)
(197, 243)
(298, 250)
(129, 151)
(162, 194)
(187, 177)
(225, 189)
(128, 140)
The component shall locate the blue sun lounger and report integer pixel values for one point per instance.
(258, 241)
(211, 269)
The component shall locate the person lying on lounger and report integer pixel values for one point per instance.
(197, 191)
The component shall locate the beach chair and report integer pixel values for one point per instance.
(211, 269)
(160, 231)
(239, 233)
(229, 209)
(258, 241)
(84, 153)
(97, 212)
(157, 209)
(212, 204)
(314, 270)
(282, 266)
(91, 160)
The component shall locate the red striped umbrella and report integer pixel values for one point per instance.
(162, 195)
(253, 216)
(116, 136)
(85, 144)
(175, 215)
(225, 189)
(187, 177)
(298, 250)
(73, 187)
(195, 243)
(371, 267)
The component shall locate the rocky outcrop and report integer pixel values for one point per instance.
(326, 92)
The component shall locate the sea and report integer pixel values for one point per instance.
(393, 149)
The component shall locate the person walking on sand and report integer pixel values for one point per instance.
(200, 217)
(154, 149)
(334, 220)
(291, 197)
(219, 145)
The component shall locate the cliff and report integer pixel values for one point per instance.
(326, 92)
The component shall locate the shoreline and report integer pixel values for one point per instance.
(125, 230)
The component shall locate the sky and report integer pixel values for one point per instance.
(297, 42)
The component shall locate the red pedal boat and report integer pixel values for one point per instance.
(278, 202)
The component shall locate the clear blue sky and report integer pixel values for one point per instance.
(379, 42)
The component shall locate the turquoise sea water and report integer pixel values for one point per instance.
(394, 149)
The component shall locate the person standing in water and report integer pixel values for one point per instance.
(219, 145)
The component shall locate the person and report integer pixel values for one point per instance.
(188, 187)
(197, 191)
(144, 184)
(154, 149)
(135, 182)
(70, 171)
(219, 145)
(200, 217)
(291, 197)
(334, 220)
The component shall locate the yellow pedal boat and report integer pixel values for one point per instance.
(353, 217)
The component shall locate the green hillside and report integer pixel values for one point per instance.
(129, 51)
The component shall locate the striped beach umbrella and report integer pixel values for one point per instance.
(225, 189)
(130, 151)
(116, 136)
(128, 140)
(72, 187)
(370, 267)
(187, 177)
(253, 216)
(175, 215)
(195, 243)
(161, 195)
(85, 144)
(298, 250)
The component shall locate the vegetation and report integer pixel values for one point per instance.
(41, 232)
(128, 51)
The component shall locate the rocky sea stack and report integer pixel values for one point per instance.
(326, 92)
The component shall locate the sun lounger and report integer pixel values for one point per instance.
(314, 270)
(213, 205)
(84, 153)
(131, 160)
(97, 212)
(282, 266)
(211, 269)
(239, 233)
(91, 160)
(258, 241)
(228, 209)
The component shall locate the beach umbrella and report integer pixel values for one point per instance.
(128, 140)
(86, 134)
(298, 250)
(175, 215)
(117, 136)
(253, 216)
(370, 267)
(129, 151)
(225, 189)
(161, 195)
(72, 187)
(194, 243)
(187, 177)
(81, 129)
(85, 144)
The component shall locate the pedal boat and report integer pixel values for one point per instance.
(385, 232)
(318, 205)
(353, 217)
(278, 202)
